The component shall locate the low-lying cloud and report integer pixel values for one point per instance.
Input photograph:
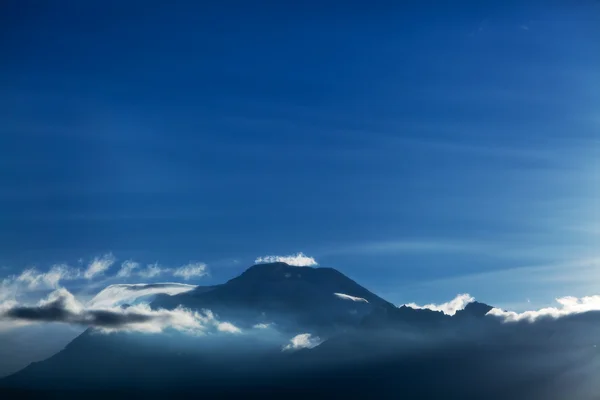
(569, 305)
(61, 306)
(351, 298)
(450, 308)
(296, 260)
(302, 341)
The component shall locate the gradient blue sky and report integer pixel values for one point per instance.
(423, 148)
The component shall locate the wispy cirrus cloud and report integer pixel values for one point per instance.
(128, 268)
(191, 270)
(99, 266)
(296, 260)
(152, 271)
(51, 279)
(449, 308)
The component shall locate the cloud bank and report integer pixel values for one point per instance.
(351, 298)
(449, 308)
(61, 306)
(569, 305)
(296, 260)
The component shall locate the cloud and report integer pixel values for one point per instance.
(302, 341)
(296, 260)
(191, 270)
(152, 270)
(449, 308)
(118, 294)
(99, 265)
(62, 306)
(262, 326)
(131, 268)
(348, 297)
(7, 305)
(127, 269)
(34, 279)
(569, 305)
(228, 327)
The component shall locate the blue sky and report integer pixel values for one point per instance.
(423, 149)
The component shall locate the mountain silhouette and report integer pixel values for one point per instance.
(292, 297)
(368, 348)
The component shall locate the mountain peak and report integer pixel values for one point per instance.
(474, 309)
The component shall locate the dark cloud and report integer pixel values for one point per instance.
(61, 306)
(62, 309)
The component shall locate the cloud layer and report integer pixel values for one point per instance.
(296, 260)
(61, 306)
(568, 306)
(449, 308)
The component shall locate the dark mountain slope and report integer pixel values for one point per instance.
(292, 297)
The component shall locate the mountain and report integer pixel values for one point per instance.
(368, 349)
(473, 310)
(320, 300)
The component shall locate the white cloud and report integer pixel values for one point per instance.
(6, 305)
(152, 271)
(118, 294)
(191, 270)
(127, 269)
(449, 308)
(61, 306)
(296, 260)
(351, 298)
(47, 280)
(228, 327)
(66, 299)
(262, 326)
(99, 265)
(302, 341)
(7, 289)
(568, 305)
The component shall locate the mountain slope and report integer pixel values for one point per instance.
(356, 325)
(292, 297)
